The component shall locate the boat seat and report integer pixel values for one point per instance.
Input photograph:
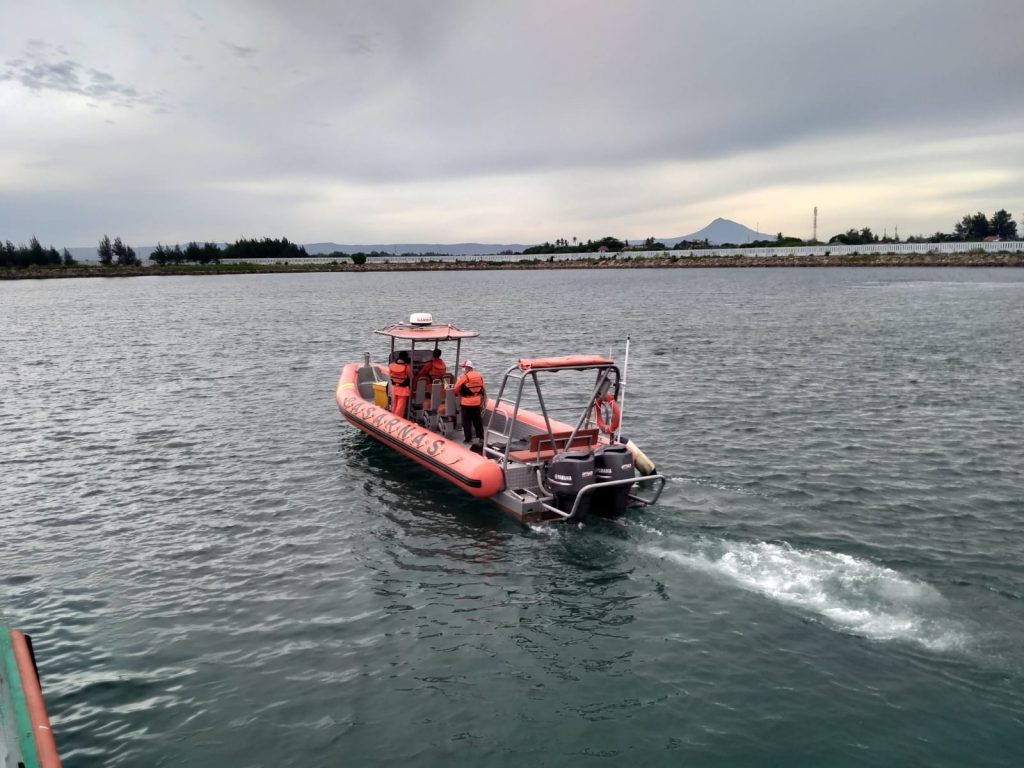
(419, 392)
(434, 407)
(449, 420)
(414, 409)
(541, 447)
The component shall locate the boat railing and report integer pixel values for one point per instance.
(635, 499)
(515, 378)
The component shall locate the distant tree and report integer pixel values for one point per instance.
(610, 243)
(790, 242)
(853, 237)
(267, 248)
(209, 254)
(36, 254)
(124, 255)
(979, 225)
(561, 245)
(105, 251)
(358, 258)
(160, 255)
(193, 252)
(972, 227)
(164, 254)
(67, 259)
(1003, 225)
(544, 247)
(33, 254)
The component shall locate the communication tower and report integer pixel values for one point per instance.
(814, 237)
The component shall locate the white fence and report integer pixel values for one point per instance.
(1011, 246)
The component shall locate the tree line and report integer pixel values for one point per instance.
(978, 227)
(971, 227)
(612, 244)
(260, 250)
(33, 255)
(211, 253)
(116, 252)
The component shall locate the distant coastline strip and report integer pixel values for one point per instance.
(974, 258)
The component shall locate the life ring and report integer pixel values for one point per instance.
(610, 402)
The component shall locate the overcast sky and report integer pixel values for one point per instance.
(495, 121)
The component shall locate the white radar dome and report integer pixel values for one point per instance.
(421, 318)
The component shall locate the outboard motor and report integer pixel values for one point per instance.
(612, 462)
(568, 474)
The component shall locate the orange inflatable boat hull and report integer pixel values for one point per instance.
(469, 471)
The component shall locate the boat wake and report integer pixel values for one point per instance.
(851, 594)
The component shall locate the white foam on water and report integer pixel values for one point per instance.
(542, 529)
(853, 595)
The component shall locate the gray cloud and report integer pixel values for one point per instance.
(240, 51)
(641, 107)
(526, 88)
(42, 68)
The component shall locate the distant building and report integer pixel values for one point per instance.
(992, 239)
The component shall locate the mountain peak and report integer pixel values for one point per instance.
(721, 231)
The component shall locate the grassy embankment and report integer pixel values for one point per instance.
(620, 261)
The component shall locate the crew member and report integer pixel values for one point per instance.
(400, 371)
(432, 370)
(471, 392)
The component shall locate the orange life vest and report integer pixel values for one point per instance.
(471, 382)
(432, 369)
(399, 378)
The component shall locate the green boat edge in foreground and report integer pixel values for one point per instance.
(25, 736)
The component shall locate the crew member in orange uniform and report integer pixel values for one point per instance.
(432, 370)
(401, 372)
(471, 392)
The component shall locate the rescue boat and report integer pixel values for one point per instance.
(533, 466)
(25, 736)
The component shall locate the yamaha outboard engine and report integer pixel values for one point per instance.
(612, 462)
(567, 475)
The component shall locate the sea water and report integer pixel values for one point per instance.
(217, 571)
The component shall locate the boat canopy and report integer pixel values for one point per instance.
(566, 361)
(412, 332)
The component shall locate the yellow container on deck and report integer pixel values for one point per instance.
(380, 394)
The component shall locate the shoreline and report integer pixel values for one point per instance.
(686, 262)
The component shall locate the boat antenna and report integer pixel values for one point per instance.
(622, 399)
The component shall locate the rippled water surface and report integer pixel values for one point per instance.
(217, 571)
